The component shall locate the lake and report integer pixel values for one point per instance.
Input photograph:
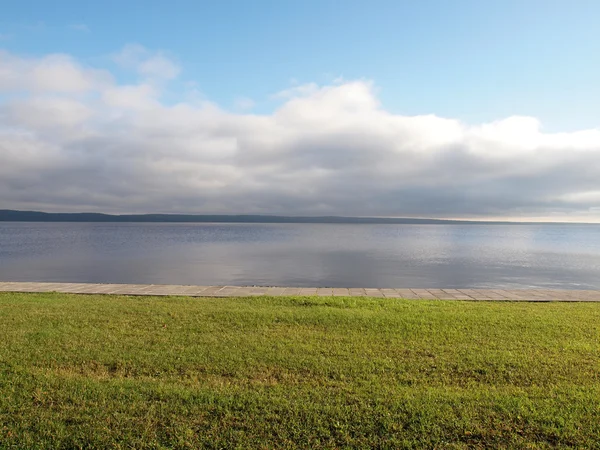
(323, 255)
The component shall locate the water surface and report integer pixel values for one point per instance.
(451, 256)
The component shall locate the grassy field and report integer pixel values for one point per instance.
(312, 372)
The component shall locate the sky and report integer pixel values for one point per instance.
(462, 109)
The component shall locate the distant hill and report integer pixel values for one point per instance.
(7, 215)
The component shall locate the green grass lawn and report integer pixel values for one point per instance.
(311, 372)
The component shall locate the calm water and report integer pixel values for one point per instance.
(561, 256)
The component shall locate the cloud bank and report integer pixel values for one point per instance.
(73, 138)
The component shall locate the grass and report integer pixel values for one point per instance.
(85, 371)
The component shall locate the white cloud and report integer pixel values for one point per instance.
(134, 97)
(72, 138)
(244, 104)
(55, 73)
(40, 113)
(159, 66)
(154, 65)
(301, 90)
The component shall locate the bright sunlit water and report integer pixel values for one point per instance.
(451, 256)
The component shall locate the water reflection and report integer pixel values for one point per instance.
(562, 256)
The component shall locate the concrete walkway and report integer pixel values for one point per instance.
(543, 295)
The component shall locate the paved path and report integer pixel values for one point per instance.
(542, 295)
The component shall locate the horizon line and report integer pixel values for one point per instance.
(125, 216)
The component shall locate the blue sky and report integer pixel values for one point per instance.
(471, 60)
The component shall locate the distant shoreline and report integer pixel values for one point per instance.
(7, 215)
